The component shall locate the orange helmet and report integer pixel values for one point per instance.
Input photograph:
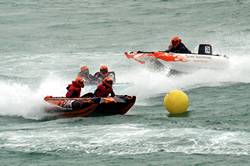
(107, 81)
(79, 81)
(104, 69)
(175, 41)
(84, 69)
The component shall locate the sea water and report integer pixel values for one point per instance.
(43, 43)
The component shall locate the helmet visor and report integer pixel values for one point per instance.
(104, 71)
(85, 72)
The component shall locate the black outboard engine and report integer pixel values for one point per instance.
(205, 49)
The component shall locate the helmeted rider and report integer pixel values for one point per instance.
(84, 74)
(74, 89)
(84, 71)
(103, 73)
(176, 46)
(105, 88)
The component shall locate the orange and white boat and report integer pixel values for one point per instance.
(179, 62)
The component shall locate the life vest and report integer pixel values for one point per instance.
(74, 90)
(103, 91)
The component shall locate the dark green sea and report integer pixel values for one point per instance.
(43, 43)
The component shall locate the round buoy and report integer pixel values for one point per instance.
(176, 101)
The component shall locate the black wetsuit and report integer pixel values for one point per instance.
(181, 48)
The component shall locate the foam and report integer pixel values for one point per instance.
(18, 99)
(127, 139)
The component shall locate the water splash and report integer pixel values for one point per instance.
(126, 139)
(146, 83)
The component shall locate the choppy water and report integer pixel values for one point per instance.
(43, 44)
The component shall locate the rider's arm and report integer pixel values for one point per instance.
(112, 93)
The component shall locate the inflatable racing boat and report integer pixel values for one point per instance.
(181, 62)
(62, 107)
(91, 80)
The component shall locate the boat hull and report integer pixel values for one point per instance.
(63, 107)
(181, 62)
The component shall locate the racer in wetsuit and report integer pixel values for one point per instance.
(176, 46)
(105, 88)
(74, 89)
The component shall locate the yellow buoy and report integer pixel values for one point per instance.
(176, 101)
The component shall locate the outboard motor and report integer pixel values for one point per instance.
(205, 49)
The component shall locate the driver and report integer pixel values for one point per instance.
(74, 89)
(105, 88)
(103, 73)
(84, 74)
(176, 46)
